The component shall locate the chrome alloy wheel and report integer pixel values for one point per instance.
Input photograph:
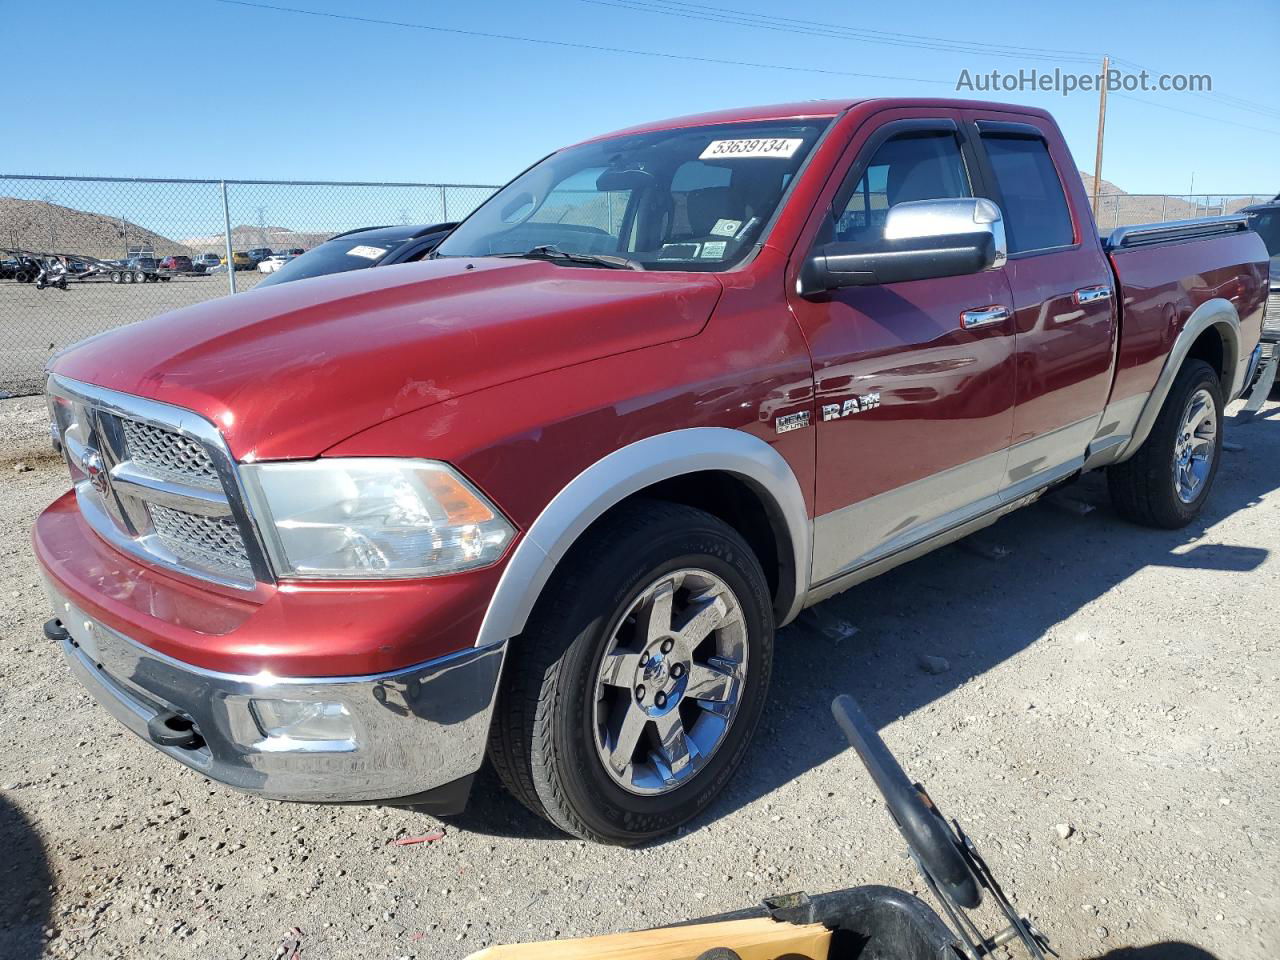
(670, 681)
(1196, 446)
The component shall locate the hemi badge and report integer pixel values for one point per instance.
(792, 421)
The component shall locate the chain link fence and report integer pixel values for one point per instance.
(79, 255)
(1124, 209)
(103, 243)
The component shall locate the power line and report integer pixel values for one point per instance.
(1239, 103)
(716, 14)
(1192, 113)
(698, 11)
(457, 31)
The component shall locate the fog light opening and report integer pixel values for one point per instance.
(303, 721)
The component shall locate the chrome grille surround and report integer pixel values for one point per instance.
(158, 482)
(1271, 322)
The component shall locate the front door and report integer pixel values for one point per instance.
(915, 410)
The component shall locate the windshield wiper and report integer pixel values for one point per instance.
(548, 251)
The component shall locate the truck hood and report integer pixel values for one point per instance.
(288, 371)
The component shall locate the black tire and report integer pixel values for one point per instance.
(115, 276)
(126, 277)
(542, 742)
(139, 277)
(1143, 487)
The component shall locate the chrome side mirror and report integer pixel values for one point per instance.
(918, 219)
(923, 239)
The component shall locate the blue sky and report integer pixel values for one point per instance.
(207, 89)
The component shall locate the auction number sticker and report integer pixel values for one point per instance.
(369, 253)
(764, 147)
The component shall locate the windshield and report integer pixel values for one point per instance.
(692, 199)
(333, 256)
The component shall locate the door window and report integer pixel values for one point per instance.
(1035, 208)
(907, 167)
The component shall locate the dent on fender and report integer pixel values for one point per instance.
(629, 470)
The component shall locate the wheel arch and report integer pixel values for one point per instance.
(670, 466)
(1212, 334)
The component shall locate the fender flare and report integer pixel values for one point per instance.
(1217, 313)
(629, 470)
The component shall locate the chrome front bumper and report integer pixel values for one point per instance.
(413, 731)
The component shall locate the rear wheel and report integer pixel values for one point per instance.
(633, 695)
(127, 277)
(139, 277)
(1166, 483)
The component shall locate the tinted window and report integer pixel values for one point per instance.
(908, 167)
(1035, 208)
(334, 256)
(1267, 223)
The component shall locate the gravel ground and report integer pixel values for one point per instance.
(36, 323)
(1105, 724)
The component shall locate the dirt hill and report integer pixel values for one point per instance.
(246, 237)
(47, 227)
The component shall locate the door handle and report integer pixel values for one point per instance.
(984, 316)
(1091, 295)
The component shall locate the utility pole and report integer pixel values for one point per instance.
(1102, 126)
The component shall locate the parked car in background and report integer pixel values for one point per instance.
(1264, 218)
(258, 254)
(239, 261)
(177, 264)
(206, 261)
(274, 262)
(548, 495)
(358, 249)
(295, 251)
(23, 269)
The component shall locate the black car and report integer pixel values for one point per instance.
(1264, 218)
(358, 249)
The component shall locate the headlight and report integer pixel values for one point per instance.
(372, 517)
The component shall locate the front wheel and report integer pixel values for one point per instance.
(633, 695)
(1166, 483)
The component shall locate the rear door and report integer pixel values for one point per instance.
(1064, 303)
(915, 411)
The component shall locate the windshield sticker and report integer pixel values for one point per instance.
(713, 250)
(741, 149)
(679, 251)
(369, 253)
(726, 228)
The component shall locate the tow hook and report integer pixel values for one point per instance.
(55, 631)
(172, 729)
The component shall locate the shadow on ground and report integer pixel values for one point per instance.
(1058, 562)
(24, 887)
(1159, 951)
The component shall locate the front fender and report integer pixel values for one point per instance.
(629, 470)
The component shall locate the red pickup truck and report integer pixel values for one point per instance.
(547, 496)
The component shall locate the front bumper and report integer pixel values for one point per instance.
(413, 731)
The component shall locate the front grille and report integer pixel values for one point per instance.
(1271, 324)
(149, 479)
(205, 541)
(169, 453)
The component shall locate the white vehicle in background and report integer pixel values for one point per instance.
(274, 262)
